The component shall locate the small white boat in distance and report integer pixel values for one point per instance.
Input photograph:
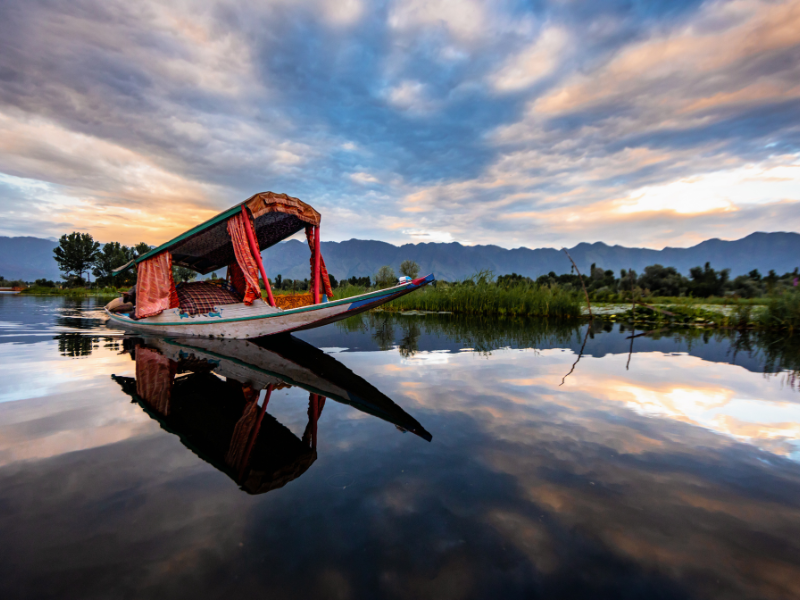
(234, 308)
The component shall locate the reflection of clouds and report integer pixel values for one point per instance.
(35, 430)
(759, 422)
(676, 403)
(719, 397)
(52, 405)
(436, 357)
(33, 371)
(529, 534)
(586, 438)
(527, 486)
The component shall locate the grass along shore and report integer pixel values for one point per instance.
(481, 296)
(778, 313)
(107, 292)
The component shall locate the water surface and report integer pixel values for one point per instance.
(396, 457)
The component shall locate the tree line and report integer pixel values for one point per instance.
(658, 280)
(384, 277)
(79, 255)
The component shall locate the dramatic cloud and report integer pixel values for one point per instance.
(480, 122)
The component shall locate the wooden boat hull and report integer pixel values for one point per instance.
(244, 322)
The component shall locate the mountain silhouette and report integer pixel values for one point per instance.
(30, 258)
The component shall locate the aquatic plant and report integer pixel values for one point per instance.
(782, 313)
(71, 292)
(481, 295)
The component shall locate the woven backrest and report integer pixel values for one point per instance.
(200, 297)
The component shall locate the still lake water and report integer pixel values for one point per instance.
(448, 461)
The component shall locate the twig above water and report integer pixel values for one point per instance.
(588, 304)
(580, 354)
(633, 316)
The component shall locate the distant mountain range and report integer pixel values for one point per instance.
(30, 258)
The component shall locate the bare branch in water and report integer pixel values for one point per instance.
(585, 337)
(633, 316)
(589, 304)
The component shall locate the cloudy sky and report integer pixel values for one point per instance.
(518, 123)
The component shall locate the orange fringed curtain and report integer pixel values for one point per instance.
(244, 258)
(155, 288)
(325, 279)
(235, 277)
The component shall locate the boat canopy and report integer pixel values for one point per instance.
(208, 247)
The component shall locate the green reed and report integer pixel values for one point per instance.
(481, 295)
(782, 313)
(345, 290)
(71, 292)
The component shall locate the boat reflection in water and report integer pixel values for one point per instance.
(179, 382)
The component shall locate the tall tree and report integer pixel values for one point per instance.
(184, 274)
(75, 253)
(113, 255)
(385, 276)
(409, 268)
(663, 281)
(707, 281)
(142, 248)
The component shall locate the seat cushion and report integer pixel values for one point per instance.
(200, 297)
(288, 301)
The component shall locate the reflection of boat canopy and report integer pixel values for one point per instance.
(235, 239)
(290, 361)
(222, 422)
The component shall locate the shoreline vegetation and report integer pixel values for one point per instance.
(484, 296)
(78, 292)
(657, 298)
(778, 313)
(480, 295)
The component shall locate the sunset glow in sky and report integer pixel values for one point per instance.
(517, 123)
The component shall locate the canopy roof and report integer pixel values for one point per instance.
(208, 246)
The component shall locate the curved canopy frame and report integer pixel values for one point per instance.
(208, 247)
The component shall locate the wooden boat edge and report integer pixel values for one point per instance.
(354, 305)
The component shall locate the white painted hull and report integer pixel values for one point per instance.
(243, 322)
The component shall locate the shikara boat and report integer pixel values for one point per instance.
(207, 392)
(235, 309)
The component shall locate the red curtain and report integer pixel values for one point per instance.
(244, 257)
(244, 429)
(325, 279)
(236, 278)
(154, 376)
(155, 288)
